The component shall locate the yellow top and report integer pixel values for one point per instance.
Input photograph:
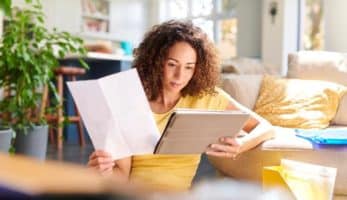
(174, 172)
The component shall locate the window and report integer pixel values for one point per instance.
(313, 38)
(215, 17)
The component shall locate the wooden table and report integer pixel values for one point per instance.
(30, 177)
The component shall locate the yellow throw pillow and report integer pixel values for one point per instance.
(296, 103)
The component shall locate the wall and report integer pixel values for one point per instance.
(62, 14)
(272, 35)
(335, 25)
(249, 30)
(127, 17)
(129, 21)
(280, 37)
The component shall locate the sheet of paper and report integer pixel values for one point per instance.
(116, 114)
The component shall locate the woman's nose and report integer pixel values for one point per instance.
(178, 72)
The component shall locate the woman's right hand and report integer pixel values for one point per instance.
(102, 162)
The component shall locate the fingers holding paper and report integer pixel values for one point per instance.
(226, 147)
(102, 162)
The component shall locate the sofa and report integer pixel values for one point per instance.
(244, 88)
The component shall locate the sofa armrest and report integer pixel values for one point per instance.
(318, 65)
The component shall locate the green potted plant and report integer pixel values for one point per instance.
(29, 54)
(5, 6)
(6, 133)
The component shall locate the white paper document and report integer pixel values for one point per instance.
(117, 114)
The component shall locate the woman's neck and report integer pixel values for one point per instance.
(165, 102)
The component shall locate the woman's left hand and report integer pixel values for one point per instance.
(228, 147)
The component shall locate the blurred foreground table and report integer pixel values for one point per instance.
(25, 178)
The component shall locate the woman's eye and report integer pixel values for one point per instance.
(189, 67)
(171, 65)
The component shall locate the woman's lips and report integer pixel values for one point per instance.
(174, 84)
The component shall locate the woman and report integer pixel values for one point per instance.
(178, 67)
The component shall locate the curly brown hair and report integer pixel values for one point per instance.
(152, 52)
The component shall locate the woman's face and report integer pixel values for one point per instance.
(179, 67)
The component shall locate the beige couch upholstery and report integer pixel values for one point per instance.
(245, 88)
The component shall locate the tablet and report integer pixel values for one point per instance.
(191, 131)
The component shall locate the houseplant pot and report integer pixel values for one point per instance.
(6, 135)
(33, 143)
(29, 55)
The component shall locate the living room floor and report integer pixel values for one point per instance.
(71, 153)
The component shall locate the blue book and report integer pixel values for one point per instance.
(324, 136)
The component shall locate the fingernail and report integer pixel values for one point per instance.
(222, 139)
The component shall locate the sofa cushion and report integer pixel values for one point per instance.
(341, 116)
(243, 88)
(295, 103)
(321, 65)
(245, 65)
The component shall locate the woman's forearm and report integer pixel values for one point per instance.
(120, 173)
(263, 131)
(258, 128)
(122, 168)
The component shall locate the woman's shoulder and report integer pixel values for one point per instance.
(220, 92)
(216, 93)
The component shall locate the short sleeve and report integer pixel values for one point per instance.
(222, 99)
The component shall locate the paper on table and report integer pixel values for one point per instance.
(116, 114)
